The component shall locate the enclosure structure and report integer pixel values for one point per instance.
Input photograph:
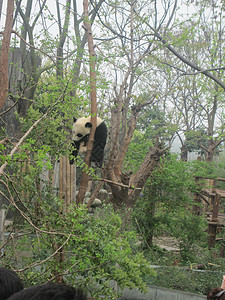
(212, 198)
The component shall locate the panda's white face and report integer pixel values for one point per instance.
(81, 127)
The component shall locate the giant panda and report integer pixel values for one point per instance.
(80, 135)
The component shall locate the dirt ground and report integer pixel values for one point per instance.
(167, 243)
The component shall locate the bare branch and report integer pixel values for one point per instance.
(11, 107)
(38, 263)
(182, 58)
(205, 70)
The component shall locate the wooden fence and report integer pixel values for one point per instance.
(212, 197)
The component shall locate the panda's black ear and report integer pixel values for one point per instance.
(88, 124)
(74, 119)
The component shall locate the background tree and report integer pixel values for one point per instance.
(129, 100)
(192, 96)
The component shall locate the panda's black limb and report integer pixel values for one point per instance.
(76, 147)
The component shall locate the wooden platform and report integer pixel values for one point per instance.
(221, 218)
(211, 192)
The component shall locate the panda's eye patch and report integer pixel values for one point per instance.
(79, 135)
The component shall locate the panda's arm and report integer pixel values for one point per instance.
(74, 152)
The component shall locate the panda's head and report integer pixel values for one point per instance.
(81, 128)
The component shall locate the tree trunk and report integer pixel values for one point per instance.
(5, 53)
(184, 153)
(126, 189)
(63, 35)
(216, 199)
(85, 176)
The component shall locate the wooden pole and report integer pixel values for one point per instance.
(68, 184)
(197, 201)
(60, 178)
(2, 224)
(216, 199)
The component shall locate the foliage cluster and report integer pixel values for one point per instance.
(96, 251)
(187, 280)
(165, 210)
(166, 207)
(52, 240)
(199, 276)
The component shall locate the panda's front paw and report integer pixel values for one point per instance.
(83, 149)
